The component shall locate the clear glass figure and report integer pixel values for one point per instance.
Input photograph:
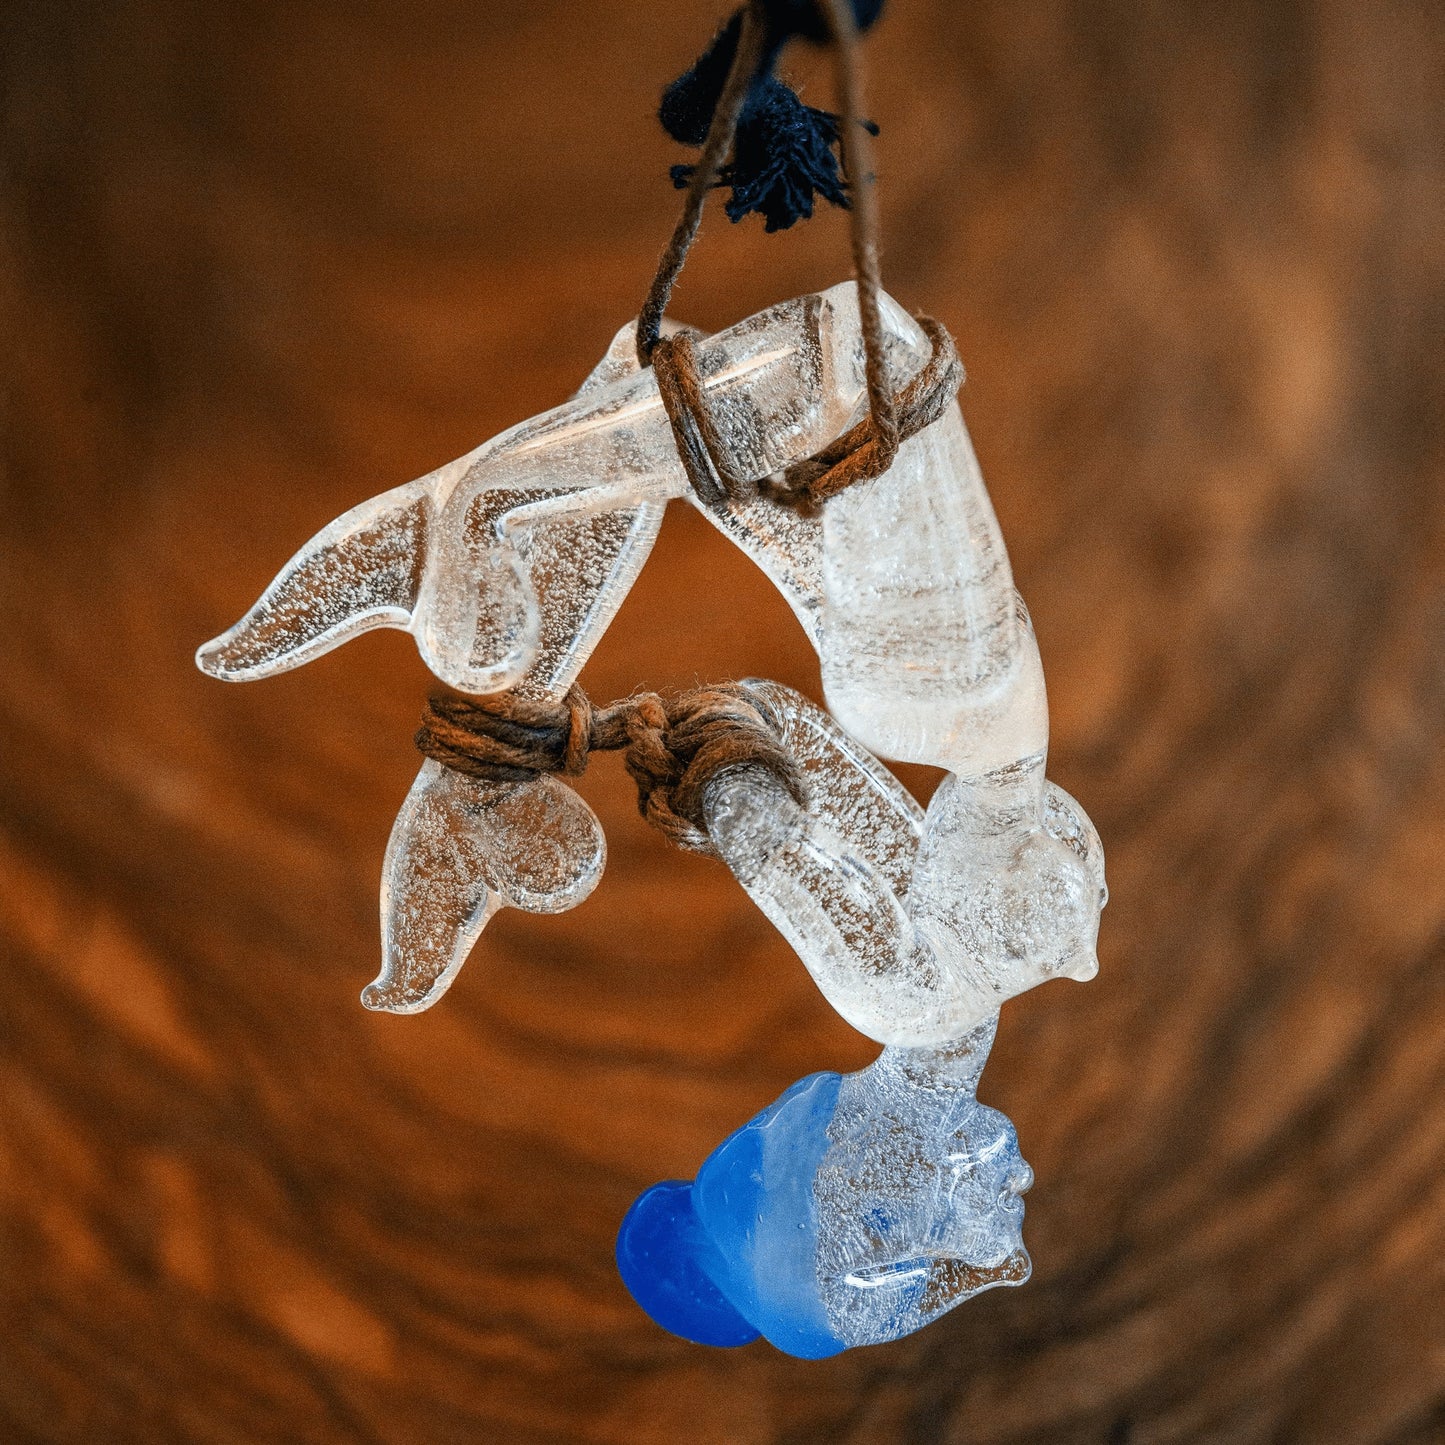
(852, 1211)
(508, 564)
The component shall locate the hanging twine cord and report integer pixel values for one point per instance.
(720, 134)
(867, 450)
(673, 747)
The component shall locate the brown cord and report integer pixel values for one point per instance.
(703, 452)
(860, 454)
(674, 747)
(856, 148)
(866, 450)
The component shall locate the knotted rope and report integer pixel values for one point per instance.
(673, 747)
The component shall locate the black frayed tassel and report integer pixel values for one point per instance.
(784, 154)
(688, 103)
(782, 157)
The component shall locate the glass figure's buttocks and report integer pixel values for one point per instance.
(916, 927)
(1009, 880)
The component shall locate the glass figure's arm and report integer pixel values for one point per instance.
(839, 910)
(833, 876)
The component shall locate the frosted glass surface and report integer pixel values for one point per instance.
(919, 1197)
(903, 585)
(508, 563)
(460, 850)
(852, 1211)
(915, 926)
(361, 572)
(928, 654)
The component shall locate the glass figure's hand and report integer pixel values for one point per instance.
(460, 850)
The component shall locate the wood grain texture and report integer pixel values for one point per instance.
(264, 261)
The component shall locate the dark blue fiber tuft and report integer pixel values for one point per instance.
(785, 152)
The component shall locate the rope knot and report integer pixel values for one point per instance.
(580, 722)
(863, 452)
(867, 450)
(529, 738)
(702, 734)
(673, 748)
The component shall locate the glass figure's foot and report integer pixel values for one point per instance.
(659, 1251)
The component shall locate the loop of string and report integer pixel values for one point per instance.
(867, 450)
(673, 747)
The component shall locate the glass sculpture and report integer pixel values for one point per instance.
(853, 1210)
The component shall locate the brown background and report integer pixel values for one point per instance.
(267, 260)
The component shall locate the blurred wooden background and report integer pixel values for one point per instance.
(267, 260)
